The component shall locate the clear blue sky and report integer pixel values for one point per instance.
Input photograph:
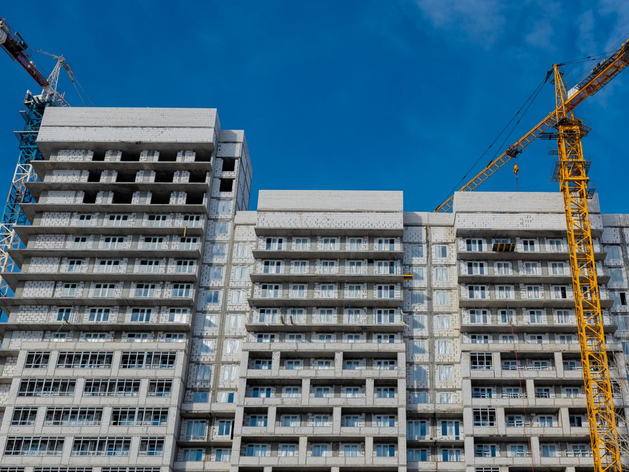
(342, 94)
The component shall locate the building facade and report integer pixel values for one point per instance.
(158, 325)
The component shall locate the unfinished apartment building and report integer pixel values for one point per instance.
(327, 331)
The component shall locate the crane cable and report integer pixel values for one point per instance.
(525, 106)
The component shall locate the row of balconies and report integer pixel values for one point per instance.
(100, 293)
(476, 320)
(558, 296)
(330, 243)
(384, 318)
(500, 272)
(546, 245)
(63, 179)
(112, 244)
(113, 155)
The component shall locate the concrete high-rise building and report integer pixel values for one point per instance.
(157, 325)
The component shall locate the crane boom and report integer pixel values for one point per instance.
(600, 76)
(16, 47)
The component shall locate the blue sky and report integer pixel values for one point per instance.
(351, 94)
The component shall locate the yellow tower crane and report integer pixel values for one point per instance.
(573, 182)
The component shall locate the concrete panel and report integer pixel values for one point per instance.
(329, 200)
(130, 117)
(514, 202)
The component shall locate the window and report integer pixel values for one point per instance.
(558, 268)
(327, 290)
(385, 316)
(272, 267)
(445, 373)
(415, 429)
(614, 253)
(37, 359)
(560, 292)
(46, 388)
(386, 450)
(418, 455)
(213, 297)
(224, 428)
(274, 244)
(24, 416)
(386, 291)
(204, 373)
(74, 265)
(69, 290)
(355, 244)
(139, 416)
(287, 450)
(484, 417)
(481, 361)
(483, 392)
(354, 291)
(79, 242)
(301, 244)
(160, 388)
(503, 268)
(476, 268)
(99, 315)
(441, 298)
(270, 291)
(290, 421)
(451, 429)
(63, 314)
(107, 266)
(386, 267)
(181, 290)
(556, 245)
(549, 450)
(299, 267)
(477, 292)
(192, 455)
(385, 392)
(417, 297)
(442, 322)
(178, 315)
(440, 252)
(185, 266)
(534, 292)
(479, 317)
(444, 347)
(321, 450)
(474, 245)
(148, 360)
(529, 245)
(330, 244)
(257, 450)
(531, 268)
(145, 290)
(34, 446)
(84, 360)
(97, 446)
(111, 388)
(535, 316)
(239, 273)
(385, 244)
(485, 450)
(188, 244)
(112, 242)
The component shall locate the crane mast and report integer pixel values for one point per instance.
(573, 182)
(15, 46)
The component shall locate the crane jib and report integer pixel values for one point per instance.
(601, 75)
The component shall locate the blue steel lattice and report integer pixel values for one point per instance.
(29, 152)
